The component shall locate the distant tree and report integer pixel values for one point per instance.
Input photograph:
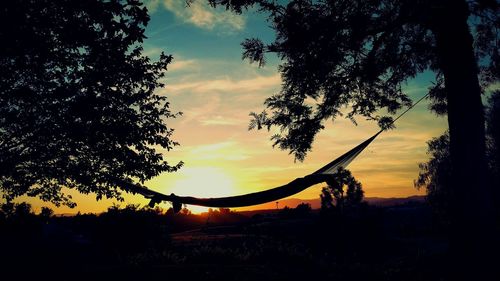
(343, 191)
(23, 210)
(285, 212)
(303, 209)
(300, 211)
(224, 211)
(187, 212)
(132, 208)
(78, 107)
(170, 212)
(156, 210)
(7, 209)
(46, 212)
(114, 208)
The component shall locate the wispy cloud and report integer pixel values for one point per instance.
(182, 64)
(202, 149)
(179, 63)
(220, 120)
(228, 151)
(228, 85)
(152, 52)
(200, 14)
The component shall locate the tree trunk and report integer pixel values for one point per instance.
(471, 204)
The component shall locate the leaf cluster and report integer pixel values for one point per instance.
(349, 58)
(435, 175)
(78, 107)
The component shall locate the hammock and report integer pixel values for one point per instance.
(255, 198)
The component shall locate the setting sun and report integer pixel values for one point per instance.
(203, 182)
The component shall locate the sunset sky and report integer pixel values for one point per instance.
(216, 91)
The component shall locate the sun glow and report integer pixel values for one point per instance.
(203, 182)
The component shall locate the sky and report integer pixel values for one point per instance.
(216, 90)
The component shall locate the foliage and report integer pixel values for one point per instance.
(46, 212)
(359, 54)
(77, 101)
(435, 174)
(342, 191)
(217, 216)
(303, 208)
(7, 209)
(300, 211)
(16, 211)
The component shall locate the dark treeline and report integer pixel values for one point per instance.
(389, 243)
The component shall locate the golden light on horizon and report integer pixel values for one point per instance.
(203, 182)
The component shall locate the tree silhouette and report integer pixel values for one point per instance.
(77, 101)
(46, 212)
(435, 174)
(342, 191)
(7, 209)
(23, 210)
(358, 53)
(303, 209)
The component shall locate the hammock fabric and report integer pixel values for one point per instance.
(273, 194)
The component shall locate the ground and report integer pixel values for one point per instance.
(370, 243)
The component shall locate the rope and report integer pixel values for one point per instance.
(404, 112)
